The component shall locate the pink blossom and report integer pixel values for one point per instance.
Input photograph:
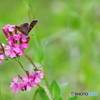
(15, 49)
(33, 84)
(19, 48)
(8, 29)
(24, 38)
(28, 81)
(11, 51)
(2, 56)
(15, 85)
(24, 45)
(22, 86)
(17, 42)
(17, 36)
(37, 76)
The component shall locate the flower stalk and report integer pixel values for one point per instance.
(21, 65)
(31, 61)
(35, 94)
(47, 92)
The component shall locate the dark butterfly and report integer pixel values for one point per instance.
(25, 28)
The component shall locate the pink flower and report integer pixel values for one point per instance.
(8, 29)
(16, 36)
(24, 45)
(37, 76)
(15, 85)
(19, 48)
(24, 38)
(2, 55)
(17, 42)
(22, 86)
(12, 51)
(29, 81)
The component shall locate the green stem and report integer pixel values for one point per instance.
(31, 61)
(21, 65)
(40, 86)
(47, 92)
(35, 94)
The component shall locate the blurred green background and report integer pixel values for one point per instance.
(66, 42)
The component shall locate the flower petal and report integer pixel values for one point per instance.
(2, 56)
(15, 90)
(15, 79)
(37, 80)
(28, 88)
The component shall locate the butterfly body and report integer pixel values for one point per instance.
(25, 28)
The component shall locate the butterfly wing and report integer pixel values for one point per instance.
(32, 24)
(23, 28)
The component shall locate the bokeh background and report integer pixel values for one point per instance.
(65, 41)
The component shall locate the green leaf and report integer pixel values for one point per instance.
(63, 87)
(55, 90)
(73, 98)
(43, 94)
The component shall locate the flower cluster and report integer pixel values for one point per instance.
(28, 81)
(16, 44)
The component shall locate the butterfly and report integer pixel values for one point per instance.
(25, 28)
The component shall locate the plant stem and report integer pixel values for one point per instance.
(21, 65)
(40, 86)
(35, 94)
(31, 61)
(47, 92)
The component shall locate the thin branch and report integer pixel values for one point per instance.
(35, 94)
(47, 92)
(31, 61)
(21, 65)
